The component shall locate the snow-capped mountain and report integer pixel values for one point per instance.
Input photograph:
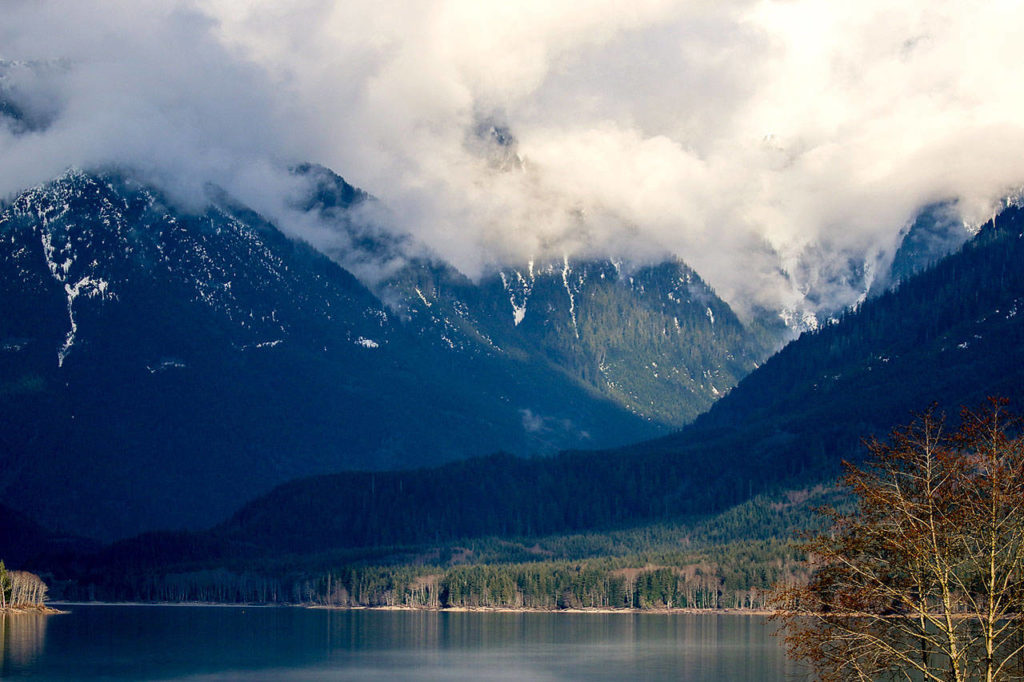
(95, 240)
(653, 338)
(949, 336)
(159, 366)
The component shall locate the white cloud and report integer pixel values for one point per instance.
(743, 136)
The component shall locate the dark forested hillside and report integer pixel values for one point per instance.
(159, 367)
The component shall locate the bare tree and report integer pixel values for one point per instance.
(924, 579)
(20, 588)
(27, 589)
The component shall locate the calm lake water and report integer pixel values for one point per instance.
(225, 643)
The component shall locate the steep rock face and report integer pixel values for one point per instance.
(159, 367)
(935, 233)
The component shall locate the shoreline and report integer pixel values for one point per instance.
(523, 609)
(22, 610)
(203, 604)
(438, 609)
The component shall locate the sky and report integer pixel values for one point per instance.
(779, 147)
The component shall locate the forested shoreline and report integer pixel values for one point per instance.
(688, 565)
(602, 584)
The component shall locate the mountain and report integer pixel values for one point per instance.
(159, 366)
(654, 338)
(949, 335)
(935, 232)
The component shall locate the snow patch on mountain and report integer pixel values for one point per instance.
(59, 263)
(800, 320)
(518, 291)
(572, 300)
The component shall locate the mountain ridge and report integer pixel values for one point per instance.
(147, 351)
(787, 425)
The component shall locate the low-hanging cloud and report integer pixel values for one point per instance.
(777, 146)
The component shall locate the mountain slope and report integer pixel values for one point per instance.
(158, 367)
(952, 334)
(653, 338)
(658, 341)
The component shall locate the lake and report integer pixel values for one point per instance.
(205, 643)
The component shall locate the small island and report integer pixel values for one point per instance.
(21, 591)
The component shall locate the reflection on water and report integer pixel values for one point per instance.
(500, 646)
(210, 643)
(22, 636)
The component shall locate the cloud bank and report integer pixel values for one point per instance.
(777, 146)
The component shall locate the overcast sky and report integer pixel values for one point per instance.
(752, 139)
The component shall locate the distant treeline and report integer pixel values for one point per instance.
(597, 583)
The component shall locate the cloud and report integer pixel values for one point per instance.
(777, 146)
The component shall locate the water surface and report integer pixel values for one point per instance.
(201, 643)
